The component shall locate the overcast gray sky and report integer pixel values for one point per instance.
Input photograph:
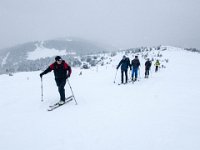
(121, 23)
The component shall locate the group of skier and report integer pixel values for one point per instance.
(62, 72)
(134, 67)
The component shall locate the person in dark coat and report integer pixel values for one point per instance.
(124, 63)
(62, 71)
(147, 68)
(135, 63)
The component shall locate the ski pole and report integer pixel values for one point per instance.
(139, 72)
(115, 75)
(72, 92)
(41, 90)
(130, 72)
(150, 72)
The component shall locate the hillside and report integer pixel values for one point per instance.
(159, 113)
(33, 56)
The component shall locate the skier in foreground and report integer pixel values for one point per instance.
(124, 63)
(62, 71)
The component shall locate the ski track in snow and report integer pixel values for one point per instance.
(159, 113)
(5, 59)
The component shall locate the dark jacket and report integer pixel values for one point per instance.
(147, 64)
(124, 63)
(61, 71)
(135, 63)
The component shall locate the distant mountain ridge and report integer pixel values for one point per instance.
(16, 56)
(38, 55)
(79, 46)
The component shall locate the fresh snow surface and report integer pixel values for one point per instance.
(159, 113)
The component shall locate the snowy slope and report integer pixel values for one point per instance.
(159, 113)
(42, 52)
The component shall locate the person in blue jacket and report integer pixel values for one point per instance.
(135, 63)
(124, 63)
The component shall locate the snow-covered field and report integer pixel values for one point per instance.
(159, 113)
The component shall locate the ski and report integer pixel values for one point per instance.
(66, 99)
(122, 83)
(56, 105)
(129, 81)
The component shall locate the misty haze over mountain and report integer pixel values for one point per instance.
(120, 23)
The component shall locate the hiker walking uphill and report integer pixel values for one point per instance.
(147, 68)
(124, 63)
(135, 63)
(62, 71)
(157, 64)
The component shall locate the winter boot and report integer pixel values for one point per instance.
(61, 102)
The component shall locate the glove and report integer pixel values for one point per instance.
(41, 74)
(68, 75)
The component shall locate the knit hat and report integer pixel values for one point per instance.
(57, 58)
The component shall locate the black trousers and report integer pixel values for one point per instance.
(122, 75)
(156, 69)
(61, 88)
(146, 72)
